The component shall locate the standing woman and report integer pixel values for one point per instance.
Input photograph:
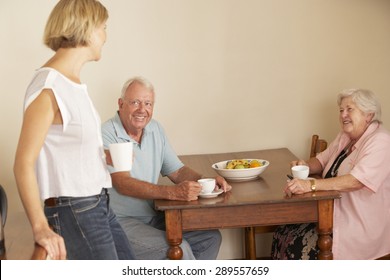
(60, 157)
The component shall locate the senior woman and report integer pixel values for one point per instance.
(357, 164)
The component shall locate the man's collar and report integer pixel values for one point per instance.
(119, 129)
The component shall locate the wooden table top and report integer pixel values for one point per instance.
(258, 202)
(266, 189)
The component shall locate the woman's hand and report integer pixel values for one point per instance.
(52, 242)
(297, 186)
(108, 158)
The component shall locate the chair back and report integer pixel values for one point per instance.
(317, 145)
(39, 253)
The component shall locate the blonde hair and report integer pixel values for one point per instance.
(71, 23)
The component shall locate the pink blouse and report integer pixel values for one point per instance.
(362, 218)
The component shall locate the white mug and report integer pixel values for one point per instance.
(122, 156)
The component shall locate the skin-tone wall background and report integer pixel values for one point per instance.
(229, 75)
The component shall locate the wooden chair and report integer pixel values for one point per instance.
(317, 146)
(39, 253)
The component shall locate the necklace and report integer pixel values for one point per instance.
(335, 167)
(336, 164)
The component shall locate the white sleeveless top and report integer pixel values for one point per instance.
(72, 160)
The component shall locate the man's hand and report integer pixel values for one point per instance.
(221, 183)
(187, 191)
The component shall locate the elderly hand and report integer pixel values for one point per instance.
(186, 191)
(221, 183)
(297, 186)
(190, 190)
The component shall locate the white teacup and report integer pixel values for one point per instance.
(208, 185)
(122, 156)
(300, 171)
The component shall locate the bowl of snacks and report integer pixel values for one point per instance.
(240, 169)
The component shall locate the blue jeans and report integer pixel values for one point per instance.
(89, 227)
(149, 241)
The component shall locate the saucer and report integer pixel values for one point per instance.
(210, 195)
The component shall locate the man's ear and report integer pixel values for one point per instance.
(120, 103)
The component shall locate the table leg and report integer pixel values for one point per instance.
(325, 229)
(250, 243)
(174, 233)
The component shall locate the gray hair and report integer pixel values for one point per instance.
(134, 80)
(365, 100)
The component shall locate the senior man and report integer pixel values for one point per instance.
(133, 193)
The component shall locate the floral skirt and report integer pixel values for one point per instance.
(295, 242)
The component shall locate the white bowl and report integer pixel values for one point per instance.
(245, 174)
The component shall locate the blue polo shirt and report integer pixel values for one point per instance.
(152, 157)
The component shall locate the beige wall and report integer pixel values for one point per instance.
(230, 75)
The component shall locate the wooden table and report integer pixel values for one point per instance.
(258, 202)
